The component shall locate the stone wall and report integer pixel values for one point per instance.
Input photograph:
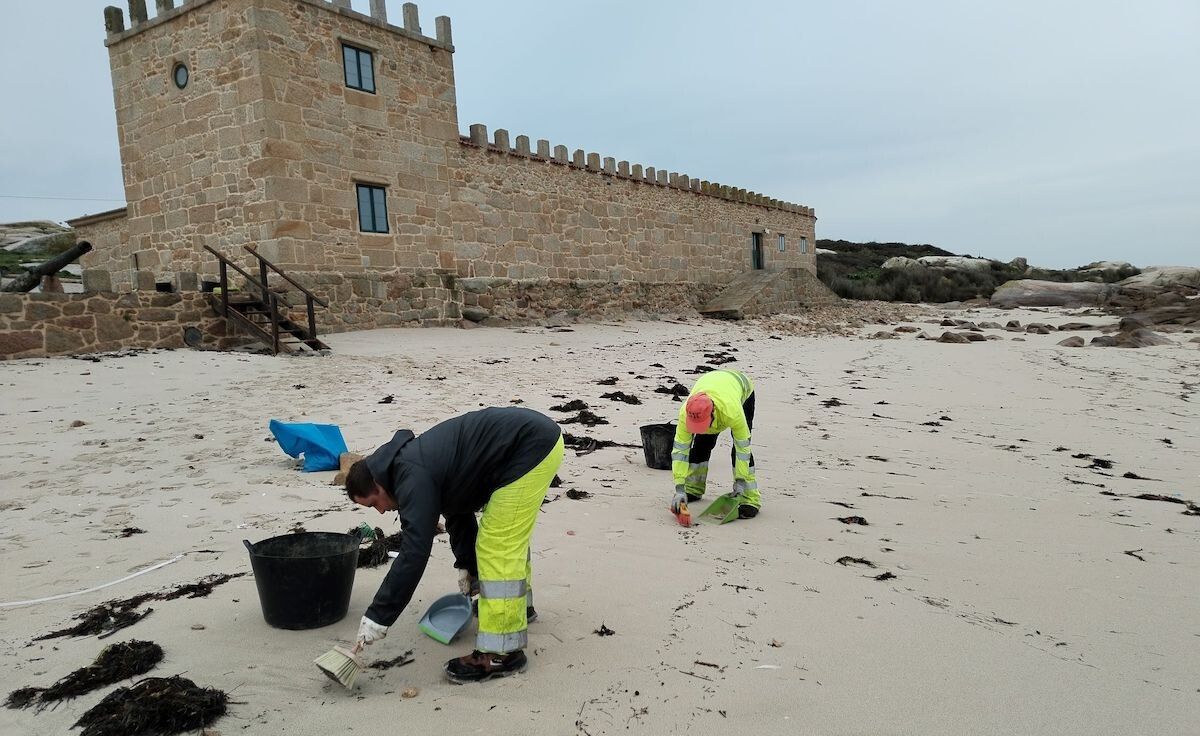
(39, 325)
(521, 215)
(791, 292)
(107, 266)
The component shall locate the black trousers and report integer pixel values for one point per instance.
(703, 444)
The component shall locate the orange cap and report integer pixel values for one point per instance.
(699, 413)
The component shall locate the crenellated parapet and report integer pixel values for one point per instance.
(165, 10)
(477, 137)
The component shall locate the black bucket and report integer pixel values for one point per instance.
(304, 580)
(656, 444)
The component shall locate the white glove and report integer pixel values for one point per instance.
(369, 631)
(680, 498)
(739, 487)
(467, 584)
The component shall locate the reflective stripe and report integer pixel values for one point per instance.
(679, 456)
(743, 456)
(501, 643)
(750, 486)
(682, 446)
(493, 589)
(742, 444)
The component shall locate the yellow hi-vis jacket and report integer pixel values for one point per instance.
(728, 390)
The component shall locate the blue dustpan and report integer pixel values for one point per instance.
(446, 617)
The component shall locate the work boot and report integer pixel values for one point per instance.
(692, 498)
(480, 666)
(746, 511)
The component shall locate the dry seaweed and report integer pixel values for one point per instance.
(677, 390)
(115, 663)
(856, 560)
(573, 405)
(109, 617)
(387, 664)
(155, 705)
(584, 445)
(621, 396)
(586, 418)
(376, 552)
(23, 697)
(575, 495)
(852, 520)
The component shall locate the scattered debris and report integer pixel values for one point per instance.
(719, 358)
(1134, 476)
(610, 381)
(830, 403)
(885, 576)
(129, 531)
(574, 405)
(856, 560)
(115, 663)
(78, 423)
(410, 692)
(584, 445)
(843, 504)
(853, 520)
(586, 418)
(881, 495)
(390, 398)
(603, 631)
(1134, 553)
(775, 643)
(702, 663)
(700, 369)
(575, 495)
(877, 458)
(155, 705)
(677, 391)
(621, 396)
(387, 664)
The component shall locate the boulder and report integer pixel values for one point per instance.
(1033, 293)
(1141, 338)
(953, 338)
(1075, 326)
(907, 328)
(957, 263)
(884, 335)
(1109, 269)
(990, 326)
(1160, 278)
(1020, 264)
(902, 263)
(475, 314)
(1075, 341)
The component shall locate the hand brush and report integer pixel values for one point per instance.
(341, 665)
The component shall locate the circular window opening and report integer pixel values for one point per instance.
(180, 75)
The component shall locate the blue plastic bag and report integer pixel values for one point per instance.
(321, 444)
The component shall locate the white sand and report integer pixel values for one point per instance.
(1014, 609)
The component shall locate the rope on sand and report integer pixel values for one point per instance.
(152, 568)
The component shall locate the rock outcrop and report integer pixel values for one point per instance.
(1031, 293)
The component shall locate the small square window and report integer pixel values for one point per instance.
(360, 68)
(782, 242)
(372, 209)
(803, 244)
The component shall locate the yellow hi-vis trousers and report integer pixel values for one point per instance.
(502, 554)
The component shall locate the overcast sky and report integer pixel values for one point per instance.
(1064, 131)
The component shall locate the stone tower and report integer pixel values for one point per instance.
(258, 121)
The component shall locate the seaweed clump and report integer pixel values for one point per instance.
(115, 663)
(155, 705)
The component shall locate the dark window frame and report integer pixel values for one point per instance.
(357, 53)
(782, 243)
(371, 221)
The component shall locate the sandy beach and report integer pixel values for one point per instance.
(1031, 592)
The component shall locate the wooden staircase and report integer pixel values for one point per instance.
(265, 311)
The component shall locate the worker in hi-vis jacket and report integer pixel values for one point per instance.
(720, 400)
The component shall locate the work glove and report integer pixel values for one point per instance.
(467, 584)
(680, 498)
(369, 631)
(739, 487)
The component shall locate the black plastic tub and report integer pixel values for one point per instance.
(304, 580)
(657, 440)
